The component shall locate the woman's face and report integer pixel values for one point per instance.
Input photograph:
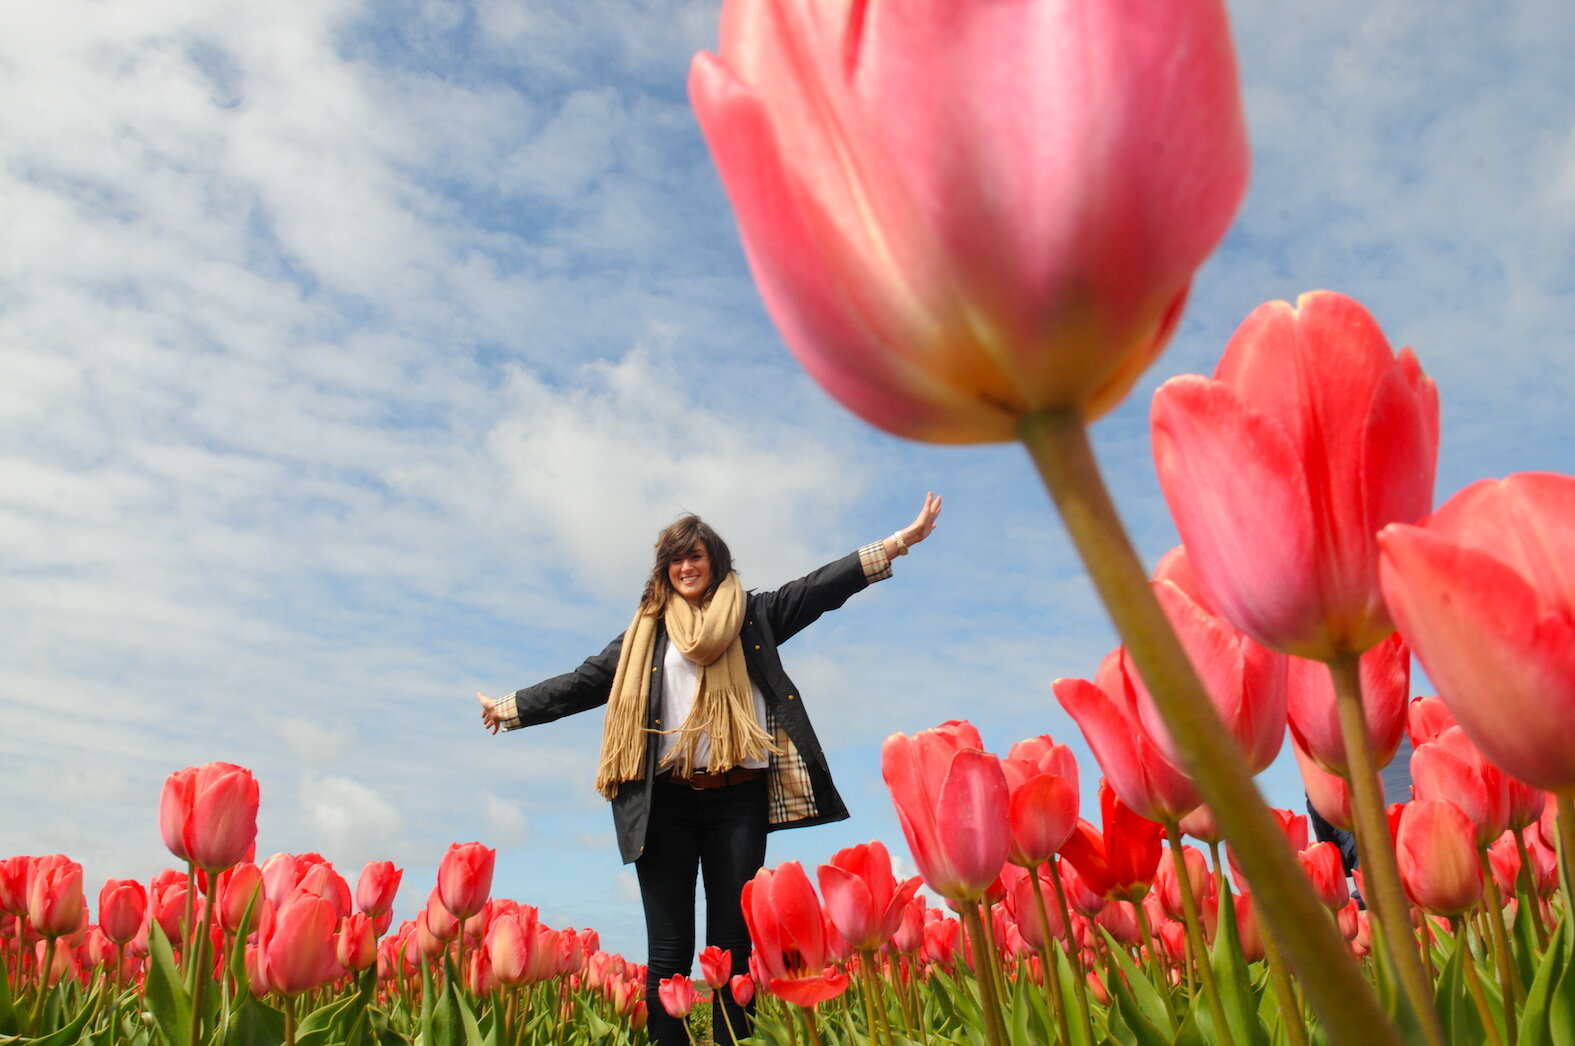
(690, 573)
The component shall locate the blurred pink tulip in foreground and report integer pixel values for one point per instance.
(961, 213)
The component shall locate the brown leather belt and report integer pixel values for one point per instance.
(700, 780)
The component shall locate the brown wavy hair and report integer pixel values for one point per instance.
(673, 542)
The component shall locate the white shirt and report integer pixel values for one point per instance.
(680, 687)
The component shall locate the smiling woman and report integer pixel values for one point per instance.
(734, 754)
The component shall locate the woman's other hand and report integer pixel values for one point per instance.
(489, 712)
(922, 527)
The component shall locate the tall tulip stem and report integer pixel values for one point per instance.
(1566, 821)
(1526, 888)
(1057, 440)
(1074, 954)
(1048, 949)
(989, 999)
(1200, 951)
(1380, 870)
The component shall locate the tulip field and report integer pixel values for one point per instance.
(968, 291)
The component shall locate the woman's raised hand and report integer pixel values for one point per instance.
(489, 712)
(922, 527)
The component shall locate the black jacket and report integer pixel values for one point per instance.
(770, 619)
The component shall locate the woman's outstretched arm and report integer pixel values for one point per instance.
(922, 527)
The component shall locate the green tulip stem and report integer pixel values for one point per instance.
(1385, 897)
(1526, 887)
(1291, 1018)
(1566, 821)
(983, 960)
(1508, 977)
(1057, 440)
(1457, 926)
(871, 992)
(1200, 951)
(1047, 953)
(1074, 954)
(289, 1020)
(43, 986)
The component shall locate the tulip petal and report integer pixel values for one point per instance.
(1503, 662)
(1225, 471)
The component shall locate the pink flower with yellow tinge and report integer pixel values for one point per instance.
(960, 213)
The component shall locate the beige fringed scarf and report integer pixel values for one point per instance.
(724, 708)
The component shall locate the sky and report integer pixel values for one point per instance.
(352, 354)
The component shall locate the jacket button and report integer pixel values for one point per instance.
(757, 646)
(656, 722)
(790, 697)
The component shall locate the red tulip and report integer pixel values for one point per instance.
(952, 802)
(318, 877)
(1120, 919)
(281, 874)
(716, 966)
(240, 889)
(14, 875)
(464, 879)
(678, 995)
(1028, 911)
(299, 944)
(1452, 768)
(945, 255)
(1385, 671)
(1167, 885)
(1245, 680)
(379, 882)
(54, 896)
(789, 931)
(1041, 778)
(1436, 848)
(357, 944)
(864, 901)
(1426, 718)
(122, 909)
(1122, 862)
(941, 940)
(1325, 867)
(742, 987)
(1329, 794)
(1482, 592)
(1131, 756)
(1311, 431)
(208, 815)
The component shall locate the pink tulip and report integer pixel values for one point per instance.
(208, 815)
(1041, 778)
(357, 943)
(240, 889)
(945, 253)
(952, 802)
(319, 877)
(742, 987)
(1245, 680)
(281, 874)
(1435, 844)
(379, 882)
(1329, 794)
(1311, 431)
(1325, 867)
(54, 896)
(122, 909)
(1132, 757)
(299, 944)
(464, 879)
(864, 901)
(678, 995)
(1027, 908)
(789, 931)
(1167, 885)
(1483, 594)
(1452, 768)
(1385, 671)
(716, 966)
(1426, 718)
(14, 875)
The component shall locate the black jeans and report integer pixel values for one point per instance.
(721, 833)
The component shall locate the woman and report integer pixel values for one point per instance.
(706, 746)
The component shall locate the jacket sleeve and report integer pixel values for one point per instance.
(798, 604)
(584, 688)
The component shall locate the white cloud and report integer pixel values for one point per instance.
(353, 823)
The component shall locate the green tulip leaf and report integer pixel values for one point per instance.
(166, 995)
(70, 1032)
(1233, 979)
(1154, 1007)
(251, 1023)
